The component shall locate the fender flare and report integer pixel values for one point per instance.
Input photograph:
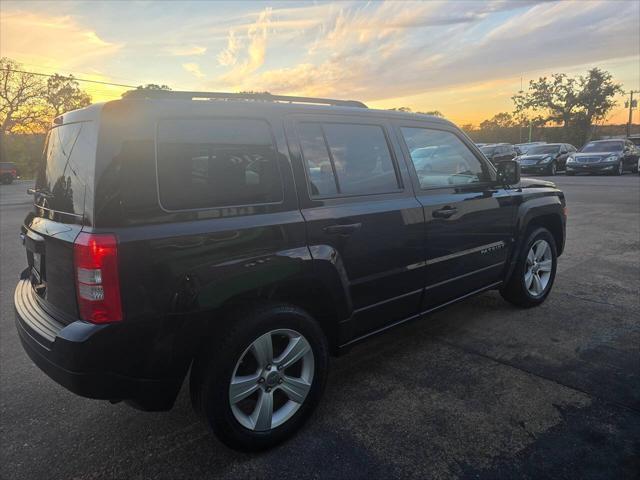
(529, 211)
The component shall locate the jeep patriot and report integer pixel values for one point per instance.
(239, 240)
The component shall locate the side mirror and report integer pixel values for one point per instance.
(508, 173)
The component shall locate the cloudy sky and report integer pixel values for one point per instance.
(464, 58)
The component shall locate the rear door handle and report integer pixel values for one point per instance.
(444, 212)
(342, 229)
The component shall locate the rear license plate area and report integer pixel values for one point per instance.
(36, 267)
(36, 260)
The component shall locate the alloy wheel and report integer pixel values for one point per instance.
(271, 380)
(538, 269)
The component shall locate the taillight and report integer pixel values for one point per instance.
(97, 280)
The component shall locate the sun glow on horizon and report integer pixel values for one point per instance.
(465, 59)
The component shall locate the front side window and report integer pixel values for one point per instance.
(441, 158)
(207, 163)
(347, 159)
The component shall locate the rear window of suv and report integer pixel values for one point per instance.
(68, 166)
(208, 163)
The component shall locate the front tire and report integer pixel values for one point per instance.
(535, 271)
(619, 169)
(259, 381)
(553, 169)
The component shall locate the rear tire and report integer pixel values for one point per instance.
(535, 271)
(229, 361)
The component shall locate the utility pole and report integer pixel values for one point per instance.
(631, 104)
(520, 130)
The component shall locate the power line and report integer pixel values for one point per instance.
(69, 77)
(53, 69)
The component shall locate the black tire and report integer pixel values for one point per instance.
(213, 370)
(515, 291)
(553, 169)
(619, 169)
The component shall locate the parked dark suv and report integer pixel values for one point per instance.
(241, 239)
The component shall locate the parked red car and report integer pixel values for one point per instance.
(8, 172)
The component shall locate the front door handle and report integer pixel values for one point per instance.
(342, 229)
(444, 212)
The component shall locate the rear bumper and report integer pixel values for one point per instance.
(79, 355)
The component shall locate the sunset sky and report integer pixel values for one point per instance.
(465, 59)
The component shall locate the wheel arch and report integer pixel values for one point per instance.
(546, 211)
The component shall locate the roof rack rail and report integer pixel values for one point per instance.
(264, 97)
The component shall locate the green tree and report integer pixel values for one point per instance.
(499, 120)
(575, 103)
(21, 97)
(63, 94)
(597, 91)
(148, 87)
(20, 101)
(153, 86)
(435, 113)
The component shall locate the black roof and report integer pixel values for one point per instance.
(231, 102)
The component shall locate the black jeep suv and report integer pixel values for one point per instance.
(242, 239)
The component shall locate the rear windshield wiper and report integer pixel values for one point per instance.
(40, 192)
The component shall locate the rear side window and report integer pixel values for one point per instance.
(207, 163)
(347, 159)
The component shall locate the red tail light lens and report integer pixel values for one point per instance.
(97, 279)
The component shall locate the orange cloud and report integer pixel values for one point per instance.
(253, 58)
(53, 42)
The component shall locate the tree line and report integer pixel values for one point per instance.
(558, 108)
(28, 104)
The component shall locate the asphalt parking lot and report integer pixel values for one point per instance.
(481, 390)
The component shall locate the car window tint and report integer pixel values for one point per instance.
(322, 181)
(204, 163)
(441, 158)
(357, 159)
